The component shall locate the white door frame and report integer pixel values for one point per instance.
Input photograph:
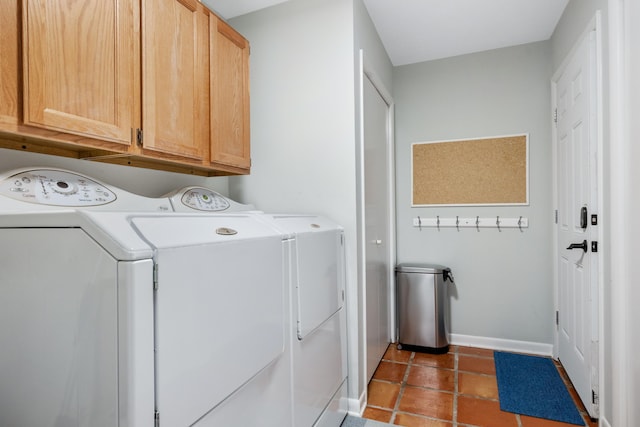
(597, 355)
(367, 71)
(621, 408)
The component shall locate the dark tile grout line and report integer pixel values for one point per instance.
(403, 385)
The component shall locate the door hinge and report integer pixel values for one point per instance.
(594, 246)
(557, 318)
(342, 240)
(594, 397)
(555, 115)
(156, 419)
(139, 137)
(343, 295)
(155, 277)
(556, 216)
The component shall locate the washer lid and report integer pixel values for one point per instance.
(421, 268)
(174, 230)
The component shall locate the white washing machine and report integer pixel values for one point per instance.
(315, 273)
(266, 399)
(116, 311)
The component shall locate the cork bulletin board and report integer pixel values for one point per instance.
(485, 171)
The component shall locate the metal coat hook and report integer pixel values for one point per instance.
(457, 223)
(478, 223)
(498, 223)
(520, 223)
(438, 222)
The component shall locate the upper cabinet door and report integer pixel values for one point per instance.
(175, 92)
(9, 63)
(81, 73)
(230, 139)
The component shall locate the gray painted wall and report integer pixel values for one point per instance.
(303, 127)
(504, 285)
(302, 110)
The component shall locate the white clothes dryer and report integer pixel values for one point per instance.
(316, 259)
(315, 273)
(116, 311)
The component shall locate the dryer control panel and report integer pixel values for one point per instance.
(203, 199)
(57, 188)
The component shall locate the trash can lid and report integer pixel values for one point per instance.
(421, 268)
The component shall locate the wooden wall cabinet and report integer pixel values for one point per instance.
(130, 82)
(10, 54)
(229, 95)
(80, 68)
(175, 71)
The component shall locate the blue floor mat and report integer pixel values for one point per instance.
(531, 385)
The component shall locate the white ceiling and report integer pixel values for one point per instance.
(422, 30)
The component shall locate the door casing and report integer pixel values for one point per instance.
(368, 72)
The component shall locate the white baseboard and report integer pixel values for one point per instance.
(604, 422)
(528, 347)
(357, 406)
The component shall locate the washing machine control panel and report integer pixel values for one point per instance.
(57, 188)
(203, 199)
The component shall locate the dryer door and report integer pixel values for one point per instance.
(219, 311)
(320, 278)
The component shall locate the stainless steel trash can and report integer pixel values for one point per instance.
(423, 307)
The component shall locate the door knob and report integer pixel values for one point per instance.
(582, 246)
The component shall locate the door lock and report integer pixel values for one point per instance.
(582, 246)
(583, 217)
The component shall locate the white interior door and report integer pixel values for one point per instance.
(576, 136)
(377, 214)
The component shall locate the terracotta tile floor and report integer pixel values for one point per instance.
(448, 390)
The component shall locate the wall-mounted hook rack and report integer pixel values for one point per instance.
(474, 222)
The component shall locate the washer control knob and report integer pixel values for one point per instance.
(64, 187)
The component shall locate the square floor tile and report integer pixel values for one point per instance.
(432, 403)
(437, 360)
(483, 413)
(435, 378)
(377, 414)
(480, 365)
(390, 371)
(396, 355)
(478, 385)
(483, 352)
(383, 394)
